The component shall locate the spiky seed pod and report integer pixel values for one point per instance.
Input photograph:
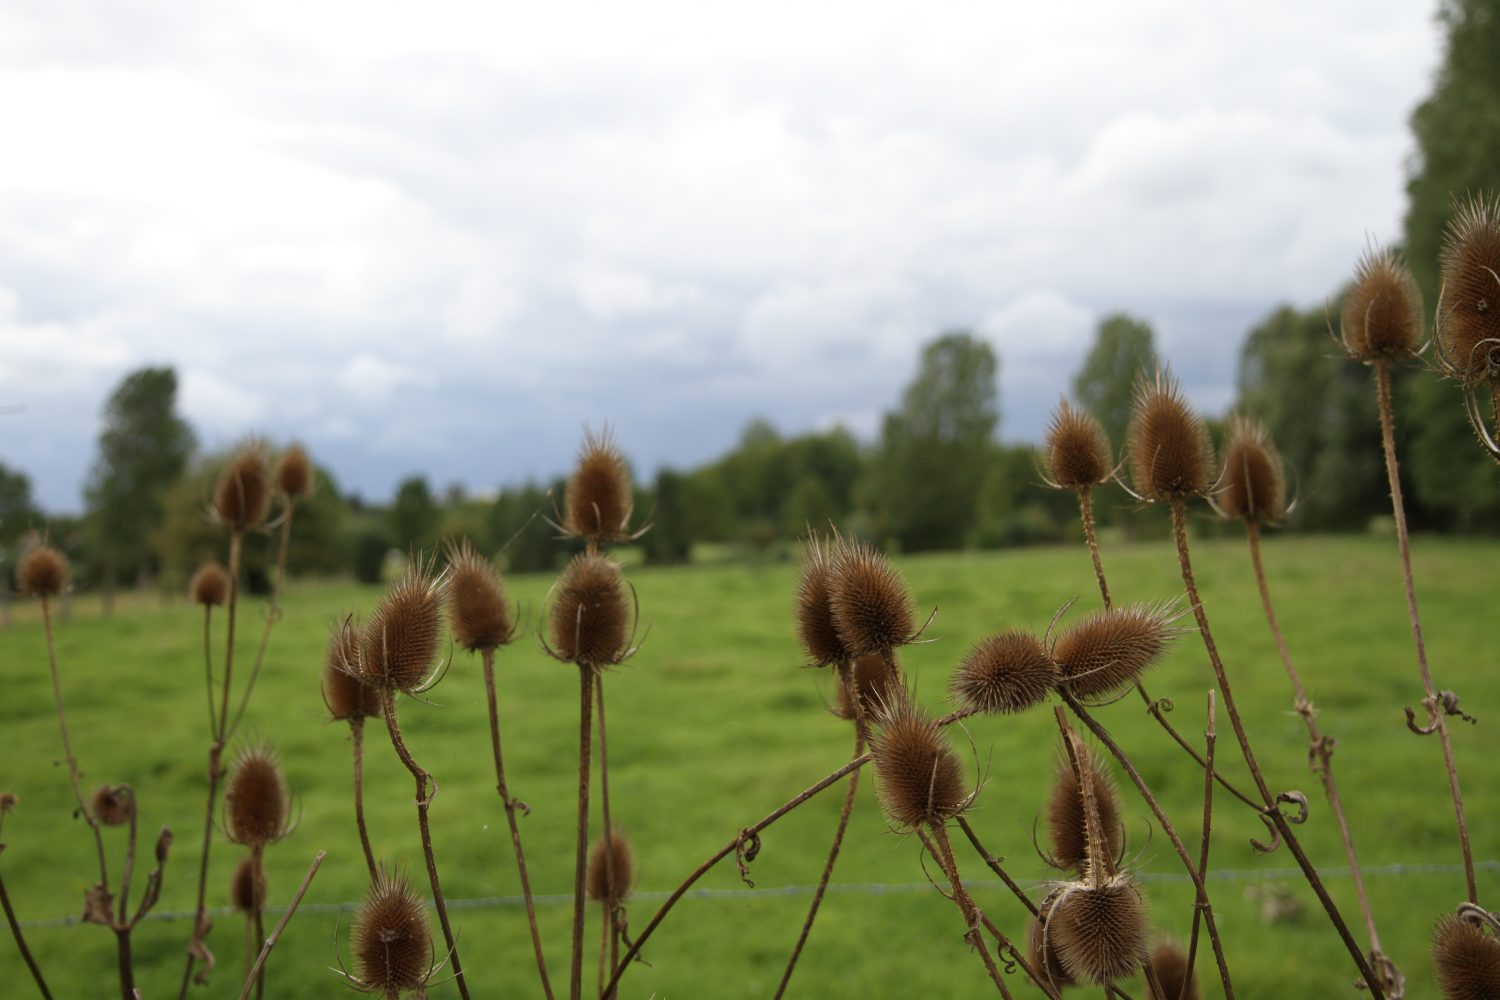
(814, 612)
(1468, 321)
(1109, 649)
(1066, 829)
(43, 572)
(243, 493)
(1099, 932)
(210, 585)
(392, 944)
(598, 500)
(878, 681)
(1465, 960)
(871, 607)
(919, 776)
(1043, 951)
(1008, 672)
(1382, 316)
(347, 697)
(1171, 968)
(1171, 456)
(1078, 455)
(247, 887)
(1251, 484)
(590, 618)
(294, 473)
(611, 869)
(258, 807)
(113, 805)
(402, 637)
(8, 801)
(477, 611)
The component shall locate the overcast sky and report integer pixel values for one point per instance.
(443, 237)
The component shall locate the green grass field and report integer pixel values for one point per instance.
(713, 724)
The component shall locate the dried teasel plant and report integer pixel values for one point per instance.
(813, 609)
(294, 472)
(1077, 450)
(1006, 673)
(247, 886)
(1099, 930)
(1176, 980)
(43, 572)
(257, 803)
(1066, 826)
(1467, 327)
(608, 882)
(113, 805)
(349, 699)
(242, 495)
(599, 499)
(590, 618)
(919, 776)
(209, 585)
(1466, 959)
(1107, 650)
(868, 599)
(393, 952)
(1382, 314)
(875, 680)
(1171, 456)
(1252, 486)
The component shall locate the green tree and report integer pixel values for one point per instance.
(414, 515)
(670, 539)
(18, 515)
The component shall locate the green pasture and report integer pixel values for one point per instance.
(713, 724)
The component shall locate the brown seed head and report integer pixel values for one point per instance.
(8, 801)
(1099, 933)
(243, 494)
(346, 696)
(590, 618)
(1382, 315)
(392, 945)
(1171, 968)
(247, 887)
(919, 776)
(1043, 950)
(1078, 455)
(1469, 311)
(1066, 828)
(402, 637)
(814, 612)
(871, 607)
(477, 611)
(1251, 485)
(43, 572)
(1171, 455)
(1008, 672)
(294, 473)
(258, 806)
(1465, 960)
(598, 500)
(878, 682)
(1109, 649)
(611, 869)
(113, 805)
(210, 585)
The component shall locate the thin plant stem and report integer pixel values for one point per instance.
(585, 729)
(488, 655)
(422, 777)
(208, 668)
(1438, 720)
(604, 922)
(611, 908)
(15, 930)
(128, 865)
(265, 949)
(250, 947)
(994, 865)
(122, 925)
(1086, 512)
(944, 855)
(68, 758)
(258, 874)
(122, 959)
(273, 615)
(1272, 811)
(357, 737)
(1210, 738)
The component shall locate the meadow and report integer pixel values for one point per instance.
(713, 724)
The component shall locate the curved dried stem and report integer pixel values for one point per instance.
(15, 930)
(265, 949)
(994, 864)
(1086, 511)
(68, 758)
(273, 615)
(1210, 738)
(942, 850)
(357, 737)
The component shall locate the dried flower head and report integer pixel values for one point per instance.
(1109, 649)
(113, 805)
(1043, 950)
(871, 607)
(1171, 968)
(1382, 315)
(611, 869)
(814, 610)
(477, 611)
(346, 696)
(1171, 456)
(247, 887)
(590, 617)
(402, 637)
(1251, 484)
(8, 801)
(392, 944)
(919, 776)
(1465, 960)
(1099, 931)
(258, 808)
(210, 585)
(294, 473)
(1066, 826)
(243, 494)
(877, 679)
(43, 572)
(1078, 455)
(598, 500)
(1468, 320)
(1008, 672)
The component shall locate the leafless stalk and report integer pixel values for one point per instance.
(1210, 737)
(273, 615)
(265, 950)
(942, 851)
(15, 930)
(357, 736)
(612, 906)
(585, 711)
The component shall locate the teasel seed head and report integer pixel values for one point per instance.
(392, 943)
(294, 472)
(878, 680)
(590, 616)
(1382, 315)
(1465, 959)
(243, 493)
(871, 607)
(1468, 321)
(8, 801)
(1171, 456)
(1107, 650)
(1008, 672)
(1043, 950)
(347, 696)
(598, 500)
(611, 869)
(919, 776)
(1066, 826)
(43, 572)
(258, 808)
(1171, 968)
(1251, 487)
(401, 640)
(1099, 931)
(113, 805)
(210, 585)
(1078, 454)
(814, 610)
(477, 611)
(247, 887)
